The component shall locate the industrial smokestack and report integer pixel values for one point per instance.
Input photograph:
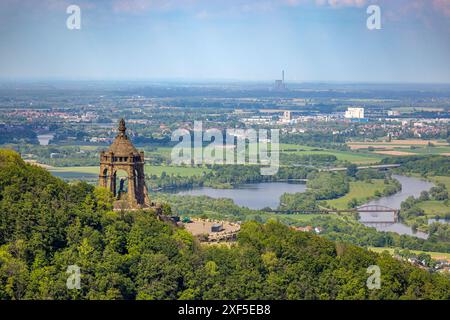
(282, 76)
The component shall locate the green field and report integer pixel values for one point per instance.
(161, 150)
(296, 147)
(181, 171)
(89, 148)
(356, 158)
(434, 208)
(353, 157)
(359, 190)
(434, 255)
(437, 208)
(91, 170)
(441, 179)
(425, 150)
(149, 170)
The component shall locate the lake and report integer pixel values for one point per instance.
(254, 196)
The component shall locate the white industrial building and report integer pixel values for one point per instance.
(354, 113)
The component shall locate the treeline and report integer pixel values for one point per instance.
(287, 159)
(326, 140)
(423, 165)
(149, 139)
(22, 135)
(47, 225)
(351, 231)
(203, 206)
(321, 186)
(225, 176)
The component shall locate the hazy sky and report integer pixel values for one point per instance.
(313, 40)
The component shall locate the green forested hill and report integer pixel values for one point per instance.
(47, 225)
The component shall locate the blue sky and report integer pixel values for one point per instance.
(313, 40)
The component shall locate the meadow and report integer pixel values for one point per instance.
(404, 147)
(149, 170)
(441, 179)
(434, 208)
(348, 156)
(359, 190)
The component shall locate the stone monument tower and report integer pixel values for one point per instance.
(129, 189)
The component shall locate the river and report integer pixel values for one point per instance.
(410, 187)
(267, 194)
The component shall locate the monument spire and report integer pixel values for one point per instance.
(122, 128)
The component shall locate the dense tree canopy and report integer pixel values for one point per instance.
(433, 165)
(47, 225)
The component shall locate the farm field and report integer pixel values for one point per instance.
(350, 157)
(419, 150)
(394, 153)
(428, 150)
(359, 190)
(176, 170)
(393, 143)
(149, 170)
(93, 169)
(404, 147)
(353, 157)
(160, 150)
(90, 148)
(294, 147)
